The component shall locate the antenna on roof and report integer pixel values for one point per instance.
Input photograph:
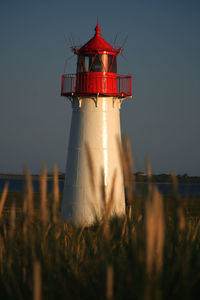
(72, 40)
(79, 41)
(124, 57)
(73, 44)
(124, 42)
(69, 42)
(115, 38)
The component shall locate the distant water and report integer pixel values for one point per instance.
(17, 185)
(167, 188)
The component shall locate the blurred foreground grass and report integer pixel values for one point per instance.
(151, 253)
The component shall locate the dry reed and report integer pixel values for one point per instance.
(79, 253)
(108, 203)
(179, 208)
(91, 167)
(43, 194)
(56, 193)
(127, 167)
(149, 175)
(37, 284)
(174, 184)
(110, 282)
(29, 193)
(12, 220)
(103, 189)
(154, 232)
(3, 198)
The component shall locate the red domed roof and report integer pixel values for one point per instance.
(97, 44)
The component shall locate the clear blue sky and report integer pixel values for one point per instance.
(162, 53)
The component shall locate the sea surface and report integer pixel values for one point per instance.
(17, 185)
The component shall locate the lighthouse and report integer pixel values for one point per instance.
(96, 93)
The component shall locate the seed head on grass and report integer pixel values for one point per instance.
(126, 159)
(179, 203)
(3, 198)
(174, 184)
(149, 174)
(12, 220)
(90, 164)
(130, 183)
(56, 193)
(91, 167)
(108, 203)
(29, 193)
(154, 232)
(103, 189)
(43, 194)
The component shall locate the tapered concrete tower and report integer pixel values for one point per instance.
(96, 92)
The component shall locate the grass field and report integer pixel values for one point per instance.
(151, 253)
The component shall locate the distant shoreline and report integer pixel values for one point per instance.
(23, 177)
(137, 177)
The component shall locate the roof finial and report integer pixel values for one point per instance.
(97, 28)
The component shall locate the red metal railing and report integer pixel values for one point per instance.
(96, 83)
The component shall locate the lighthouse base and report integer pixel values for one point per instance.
(94, 177)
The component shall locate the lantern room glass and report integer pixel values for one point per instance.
(97, 63)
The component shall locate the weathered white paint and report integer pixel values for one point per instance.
(95, 121)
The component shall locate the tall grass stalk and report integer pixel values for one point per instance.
(56, 193)
(127, 167)
(12, 220)
(37, 281)
(43, 194)
(151, 253)
(3, 197)
(110, 283)
(29, 193)
(91, 167)
(154, 232)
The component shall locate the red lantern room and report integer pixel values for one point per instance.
(96, 71)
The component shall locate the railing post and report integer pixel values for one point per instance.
(76, 83)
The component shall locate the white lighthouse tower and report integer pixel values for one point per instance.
(96, 92)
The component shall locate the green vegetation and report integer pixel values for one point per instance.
(152, 253)
(89, 263)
